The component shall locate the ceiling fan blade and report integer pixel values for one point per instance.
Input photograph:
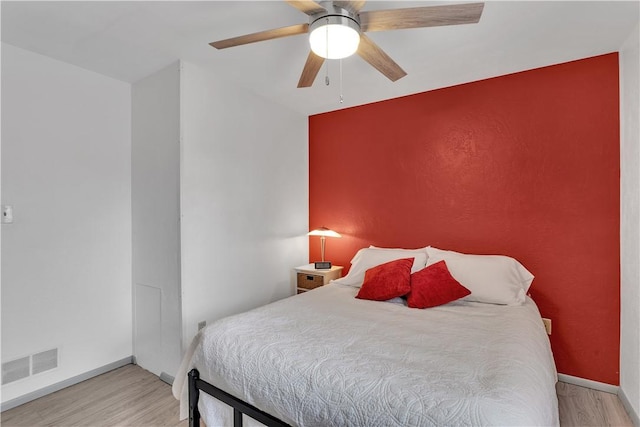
(309, 7)
(418, 17)
(352, 6)
(371, 52)
(310, 70)
(261, 36)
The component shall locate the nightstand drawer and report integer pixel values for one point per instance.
(308, 277)
(310, 281)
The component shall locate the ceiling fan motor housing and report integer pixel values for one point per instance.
(336, 15)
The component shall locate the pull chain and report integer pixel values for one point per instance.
(326, 77)
(341, 97)
(326, 32)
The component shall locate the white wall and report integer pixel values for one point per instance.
(156, 222)
(66, 259)
(630, 223)
(244, 198)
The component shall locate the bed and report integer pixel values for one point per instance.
(327, 358)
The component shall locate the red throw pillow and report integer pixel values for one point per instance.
(433, 286)
(385, 281)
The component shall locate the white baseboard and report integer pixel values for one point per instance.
(582, 382)
(167, 378)
(627, 406)
(64, 384)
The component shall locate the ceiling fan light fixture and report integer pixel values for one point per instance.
(334, 37)
(337, 29)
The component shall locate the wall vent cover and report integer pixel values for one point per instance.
(15, 370)
(44, 361)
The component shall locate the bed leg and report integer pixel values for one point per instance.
(194, 395)
(237, 418)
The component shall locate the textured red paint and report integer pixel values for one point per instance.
(525, 165)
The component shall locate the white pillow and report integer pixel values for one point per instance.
(410, 252)
(495, 279)
(397, 249)
(367, 258)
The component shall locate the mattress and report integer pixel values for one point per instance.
(325, 358)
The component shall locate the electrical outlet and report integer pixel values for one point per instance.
(202, 324)
(547, 325)
(7, 214)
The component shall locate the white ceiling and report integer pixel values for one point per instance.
(130, 40)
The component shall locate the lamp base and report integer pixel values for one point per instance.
(322, 265)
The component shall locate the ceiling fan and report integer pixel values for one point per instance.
(336, 30)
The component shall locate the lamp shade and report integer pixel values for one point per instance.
(323, 231)
(334, 37)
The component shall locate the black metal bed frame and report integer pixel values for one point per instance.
(239, 406)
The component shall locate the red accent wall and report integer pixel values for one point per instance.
(525, 165)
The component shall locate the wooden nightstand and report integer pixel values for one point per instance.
(307, 277)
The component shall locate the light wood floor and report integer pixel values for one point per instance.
(581, 406)
(131, 396)
(128, 396)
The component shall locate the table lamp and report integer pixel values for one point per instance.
(323, 232)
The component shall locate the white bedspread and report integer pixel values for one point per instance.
(324, 358)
